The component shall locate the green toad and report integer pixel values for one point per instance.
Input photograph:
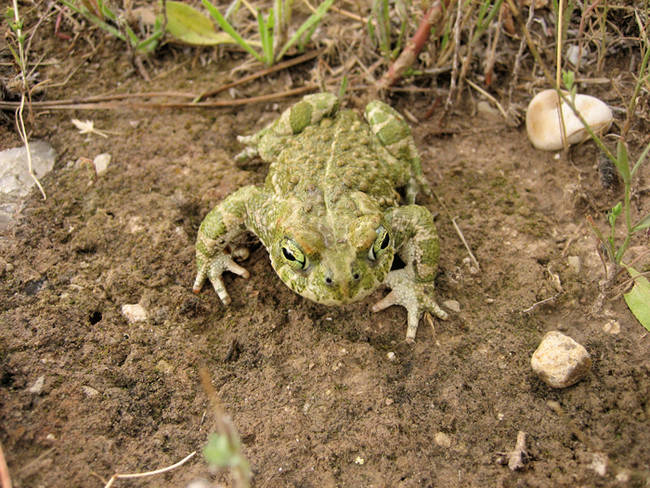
(329, 213)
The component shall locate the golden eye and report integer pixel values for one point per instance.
(293, 255)
(381, 243)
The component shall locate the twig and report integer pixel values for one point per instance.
(71, 105)
(149, 473)
(529, 40)
(413, 47)
(541, 302)
(462, 238)
(454, 63)
(517, 458)
(488, 96)
(278, 67)
(5, 479)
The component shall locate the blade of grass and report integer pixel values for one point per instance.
(95, 20)
(313, 19)
(230, 30)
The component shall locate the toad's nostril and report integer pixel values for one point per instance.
(329, 280)
(356, 276)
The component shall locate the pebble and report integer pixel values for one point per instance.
(452, 305)
(441, 439)
(612, 327)
(15, 180)
(101, 163)
(574, 264)
(560, 361)
(89, 391)
(37, 387)
(134, 313)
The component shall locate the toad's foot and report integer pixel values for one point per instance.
(212, 268)
(416, 297)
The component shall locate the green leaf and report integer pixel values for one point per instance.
(218, 451)
(621, 162)
(641, 159)
(638, 298)
(189, 26)
(644, 223)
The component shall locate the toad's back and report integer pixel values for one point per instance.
(334, 159)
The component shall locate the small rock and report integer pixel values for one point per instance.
(14, 169)
(452, 305)
(574, 264)
(89, 391)
(37, 387)
(101, 163)
(359, 460)
(612, 327)
(560, 361)
(134, 313)
(15, 180)
(599, 463)
(199, 483)
(390, 355)
(441, 439)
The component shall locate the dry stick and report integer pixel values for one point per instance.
(5, 479)
(520, 52)
(462, 238)
(280, 66)
(531, 45)
(492, 56)
(413, 47)
(489, 97)
(558, 69)
(149, 473)
(131, 105)
(454, 71)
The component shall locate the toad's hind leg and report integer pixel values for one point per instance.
(269, 141)
(394, 133)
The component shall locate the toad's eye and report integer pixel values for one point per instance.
(381, 243)
(293, 255)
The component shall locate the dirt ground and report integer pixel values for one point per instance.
(313, 390)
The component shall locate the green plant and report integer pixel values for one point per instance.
(99, 13)
(380, 29)
(638, 299)
(12, 15)
(272, 30)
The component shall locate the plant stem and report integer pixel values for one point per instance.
(20, 122)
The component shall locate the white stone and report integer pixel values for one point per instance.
(543, 120)
(89, 391)
(612, 327)
(101, 163)
(134, 313)
(560, 361)
(37, 387)
(441, 439)
(574, 264)
(452, 305)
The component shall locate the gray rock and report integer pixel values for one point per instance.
(560, 361)
(15, 180)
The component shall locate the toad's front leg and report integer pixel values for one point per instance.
(221, 226)
(417, 245)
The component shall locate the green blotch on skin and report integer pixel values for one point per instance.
(393, 132)
(300, 116)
